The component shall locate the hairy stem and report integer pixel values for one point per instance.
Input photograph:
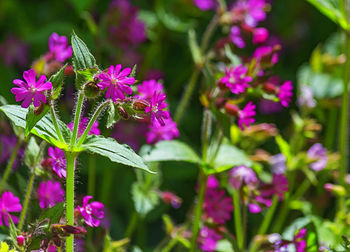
(55, 123)
(26, 201)
(94, 117)
(238, 218)
(77, 118)
(9, 165)
(70, 197)
(198, 210)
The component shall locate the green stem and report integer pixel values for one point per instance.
(92, 120)
(205, 134)
(70, 197)
(55, 123)
(9, 165)
(266, 222)
(26, 201)
(91, 175)
(331, 129)
(132, 224)
(170, 245)
(343, 136)
(198, 211)
(77, 118)
(238, 218)
(208, 33)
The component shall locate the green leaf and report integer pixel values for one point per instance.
(112, 116)
(118, 153)
(54, 213)
(57, 81)
(284, 147)
(82, 57)
(31, 153)
(171, 151)
(194, 47)
(133, 71)
(85, 76)
(13, 231)
(227, 157)
(2, 100)
(43, 129)
(332, 10)
(144, 200)
(33, 116)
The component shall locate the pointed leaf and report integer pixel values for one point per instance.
(34, 116)
(82, 57)
(57, 81)
(118, 153)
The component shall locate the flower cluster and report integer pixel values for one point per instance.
(50, 193)
(8, 204)
(91, 212)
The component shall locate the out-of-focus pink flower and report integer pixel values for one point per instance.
(8, 144)
(14, 51)
(279, 187)
(58, 47)
(266, 55)
(212, 182)
(205, 5)
(8, 204)
(278, 163)
(31, 90)
(50, 193)
(217, 205)
(249, 11)
(158, 133)
(299, 242)
(236, 37)
(306, 97)
(171, 198)
(240, 174)
(82, 126)
(156, 109)
(51, 248)
(91, 212)
(130, 133)
(154, 74)
(235, 79)
(147, 88)
(58, 161)
(260, 35)
(208, 239)
(116, 82)
(318, 154)
(269, 107)
(246, 116)
(285, 93)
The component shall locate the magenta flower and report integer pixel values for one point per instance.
(132, 133)
(14, 51)
(91, 212)
(82, 126)
(266, 55)
(269, 107)
(251, 11)
(58, 161)
(58, 47)
(212, 182)
(50, 193)
(236, 37)
(240, 174)
(156, 109)
(9, 203)
(8, 143)
(208, 239)
(205, 5)
(278, 163)
(278, 186)
(31, 90)
(171, 198)
(318, 155)
(116, 82)
(147, 88)
(236, 80)
(158, 133)
(217, 206)
(260, 35)
(299, 242)
(246, 116)
(285, 93)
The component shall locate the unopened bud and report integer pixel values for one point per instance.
(231, 109)
(91, 90)
(140, 105)
(337, 190)
(123, 113)
(40, 109)
(69, 70)
(269, 88)
(20, 240)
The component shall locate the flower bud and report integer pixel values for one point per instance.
(231, 109)
(69, 70)
(91, 90)
(140, 105)
(123, 113)
(270, 88)
(337, 190)
(20, 240)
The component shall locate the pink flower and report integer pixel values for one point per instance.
(147, 88)
(299, 242)
(116, 82)
(92, 213)
(58, 47)
(205, 5)
(31, 90)
(14, 51)
(246, 116)
(217, 206)
(236, 37)
(208, 239)
(260, 35)
(50, 193)
(212, 182)
(171, 198)
(58, 161)
(8, 144)
(269, 107)
(240, 174)
(318, 155)
(279, 187)
(285, 93)
(158, 133)
(251, 11)
(156, 109)
(236, 80)
(9, 203)
(266, 55)
(82, 126)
